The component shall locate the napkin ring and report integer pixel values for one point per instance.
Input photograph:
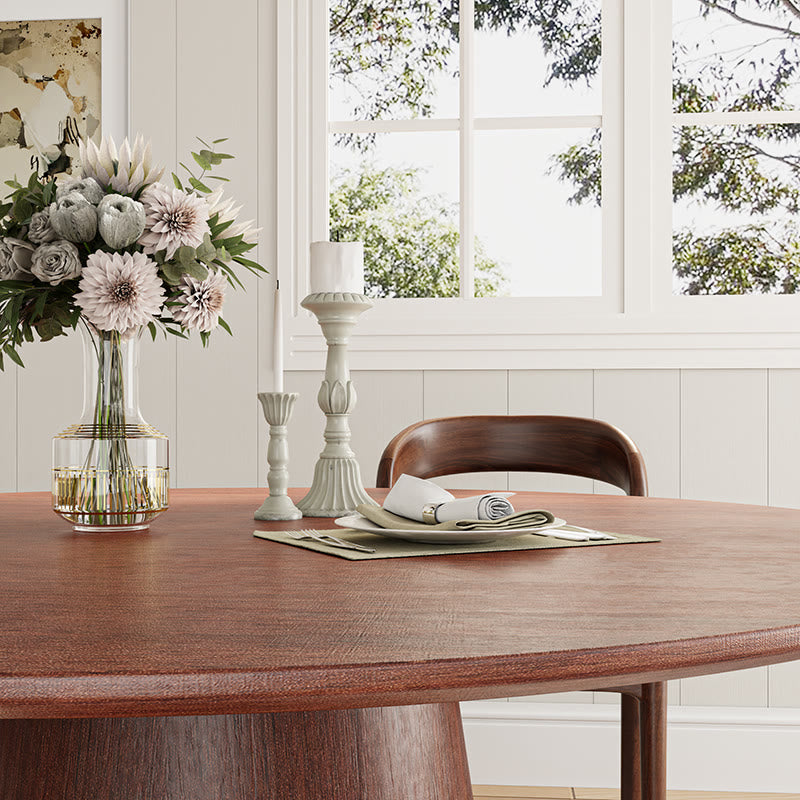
(429, 513)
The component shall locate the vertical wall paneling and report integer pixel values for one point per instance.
(153, 109)
(784, 438)
(632, 400)
(724, 435)
(50, 397)
(453, 393)
(784, 684)
(387, 403)
(747, 687)
(550, 391)
(217, 91)
(8, 428)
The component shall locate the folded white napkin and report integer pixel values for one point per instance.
(410, 496)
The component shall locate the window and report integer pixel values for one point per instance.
(735, 137)
(538, 179)
(462, 137)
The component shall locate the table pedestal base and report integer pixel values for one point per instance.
(361, 754)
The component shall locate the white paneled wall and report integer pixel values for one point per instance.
(713, 434)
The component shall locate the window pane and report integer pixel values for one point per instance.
(737, 193)
(530, 62)
(527, 220)
(401, 199)
(735, 55)
(393, 60)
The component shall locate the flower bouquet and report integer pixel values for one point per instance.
(114, 251)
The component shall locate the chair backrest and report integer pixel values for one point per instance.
(589, 448)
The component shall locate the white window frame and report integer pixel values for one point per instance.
(637, 323)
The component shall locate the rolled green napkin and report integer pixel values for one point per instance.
(522, 519)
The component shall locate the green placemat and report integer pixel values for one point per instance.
(399, 548)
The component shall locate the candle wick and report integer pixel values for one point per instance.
(277, 284)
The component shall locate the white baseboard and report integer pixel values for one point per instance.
(570, 744)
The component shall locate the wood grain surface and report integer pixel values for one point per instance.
(359, 754)
(580, 446)
(199, 617)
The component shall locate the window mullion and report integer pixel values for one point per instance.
(467, 147)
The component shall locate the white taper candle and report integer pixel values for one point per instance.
(277, 341)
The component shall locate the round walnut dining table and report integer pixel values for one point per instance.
(196, 662)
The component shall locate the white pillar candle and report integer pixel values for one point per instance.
(337, 267)
(277, 341)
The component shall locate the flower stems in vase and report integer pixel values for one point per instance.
(110, 470)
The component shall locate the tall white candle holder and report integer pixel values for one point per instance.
(278, 410)
(336, 489)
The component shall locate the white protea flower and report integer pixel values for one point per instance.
(217, 204)
(172, 218)
(200, 302)
(120, 291)
(126, 171)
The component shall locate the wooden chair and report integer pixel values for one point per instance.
(564, 445)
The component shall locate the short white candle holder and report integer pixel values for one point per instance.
(278, 410)
(336, 489)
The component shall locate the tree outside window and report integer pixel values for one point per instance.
(736, 127)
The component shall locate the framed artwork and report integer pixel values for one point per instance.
(63, 79)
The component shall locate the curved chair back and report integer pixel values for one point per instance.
(589, 448)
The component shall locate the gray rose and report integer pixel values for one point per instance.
(120, 220)
(40, 230)
(88, 187)
(56, 261)
(15, 259)
(74, 218)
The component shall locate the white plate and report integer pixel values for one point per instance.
(358, 523)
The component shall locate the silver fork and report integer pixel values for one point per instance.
(327, 538)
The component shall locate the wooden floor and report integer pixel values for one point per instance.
(562, 793)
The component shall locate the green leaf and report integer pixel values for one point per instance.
(151, 326)
(13, 355)
(219, 178)
(199, 185)
(224, 325)
(203, 159)
(206, 252)
(196, 270)
(177, 181)
(219, 141)
(224, 155)
(21, 210)
(185, 254)
(180, 333)
(172, 273)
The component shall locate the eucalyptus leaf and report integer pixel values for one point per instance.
(199, 185)
(202, 159)
(196, 270)
(172, 273)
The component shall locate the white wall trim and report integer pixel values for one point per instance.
(576, 744)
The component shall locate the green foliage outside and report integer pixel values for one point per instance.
(385, 209)
(391, 52)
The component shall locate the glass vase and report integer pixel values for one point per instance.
(111, 469)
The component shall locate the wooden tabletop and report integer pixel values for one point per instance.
(200, 617)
